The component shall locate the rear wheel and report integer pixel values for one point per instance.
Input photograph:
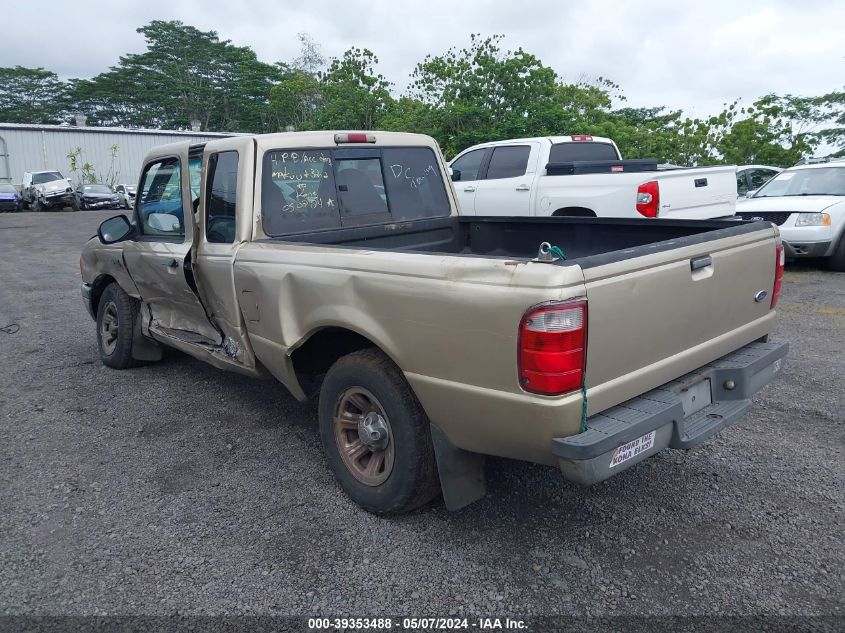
(837, 260)
(116, 316)
(376, 435)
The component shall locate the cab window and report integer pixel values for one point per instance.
(220, 197)
(508, 161)
(468, 165)
(160, 200)
(298, 191)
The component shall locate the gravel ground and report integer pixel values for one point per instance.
(177, 488)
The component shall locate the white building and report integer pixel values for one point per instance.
(25, 147)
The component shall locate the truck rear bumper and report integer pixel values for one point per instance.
(680, 414)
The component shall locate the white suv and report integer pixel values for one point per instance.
(807, 203)
(43, 190)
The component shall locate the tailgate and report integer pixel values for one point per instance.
(652, 318)
(698, 193)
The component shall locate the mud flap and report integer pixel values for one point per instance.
(461, 472)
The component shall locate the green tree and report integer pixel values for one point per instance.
(484, 92)
(184, 75)
(352, 94)
(31, 95)
(296, 98)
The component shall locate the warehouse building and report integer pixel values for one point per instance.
(26, 147)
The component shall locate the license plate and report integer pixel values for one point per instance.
(632, 449)
(696, 397)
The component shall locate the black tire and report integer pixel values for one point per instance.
(836, 261)
(114, 342)
(412, 480)
(74, 204)
(37, 206)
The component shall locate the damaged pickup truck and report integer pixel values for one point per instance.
(337, 263)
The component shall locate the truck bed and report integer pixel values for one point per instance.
(593, 241)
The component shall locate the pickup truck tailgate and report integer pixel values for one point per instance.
(656, 316)
(698, 193)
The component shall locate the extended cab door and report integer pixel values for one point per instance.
(466, 170)
(224, 223)
(159, 258)
(508, 180)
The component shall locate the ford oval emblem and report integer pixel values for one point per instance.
(760, 296)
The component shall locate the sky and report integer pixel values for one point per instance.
(689, 56)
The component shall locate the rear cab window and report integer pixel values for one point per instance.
(582, 150)
(323, 188)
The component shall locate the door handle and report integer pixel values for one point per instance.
(173, 263)
(700, 262)
(523, 188)
(469, 189)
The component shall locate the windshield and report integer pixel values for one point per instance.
(820, 181)
(46, 176)
(7, 189)
(96, 189)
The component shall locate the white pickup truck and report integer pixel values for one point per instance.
(585, 176)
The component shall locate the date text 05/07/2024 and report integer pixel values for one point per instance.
(417, 624)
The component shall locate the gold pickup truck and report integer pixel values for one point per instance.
(337, 263)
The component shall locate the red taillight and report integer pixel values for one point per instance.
(581, 137)
(648, 198)
(551, 348)
(355, 137)
(780, 260)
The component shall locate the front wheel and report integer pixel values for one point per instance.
(37, 206)
(376, 435)
(116, 316)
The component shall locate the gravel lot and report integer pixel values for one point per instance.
(177, 488)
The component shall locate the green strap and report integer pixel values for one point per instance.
(557, 252)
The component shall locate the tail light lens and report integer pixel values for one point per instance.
(648, 198)
(552, 348)
(780, 260)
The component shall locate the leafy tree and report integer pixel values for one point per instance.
(483, 93)
(31, 95)
(184, 75)
(352, 94)
(296, 98)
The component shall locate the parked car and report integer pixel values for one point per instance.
(126, 193)
(97, 197)
(752, 177)
(9, 198)
(45, 190)
(585, 176)
(807, 203)
(434, 339)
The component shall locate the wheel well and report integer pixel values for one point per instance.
(574, 212)
(313, 358)
(97, 289)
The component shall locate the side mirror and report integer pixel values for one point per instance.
(456, 174)
(114, 229)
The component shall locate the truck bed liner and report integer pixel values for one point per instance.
(593, 241)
